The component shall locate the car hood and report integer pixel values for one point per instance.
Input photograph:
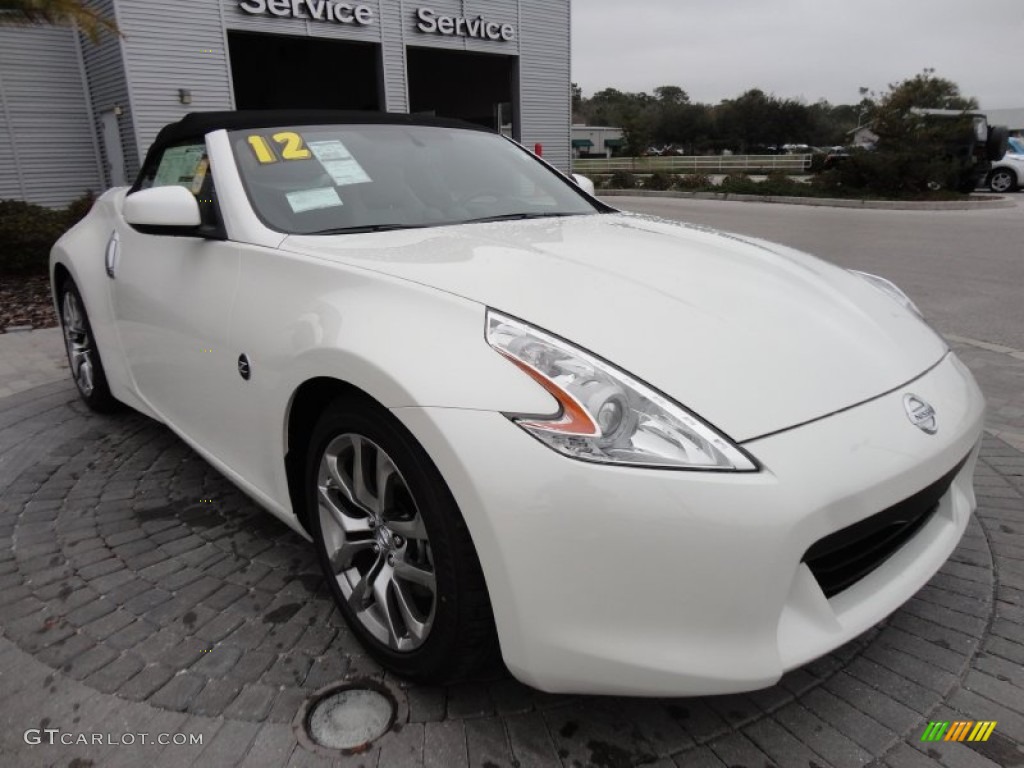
(751, 336)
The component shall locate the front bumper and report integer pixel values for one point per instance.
(630, 581)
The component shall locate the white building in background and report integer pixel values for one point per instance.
(596, 140)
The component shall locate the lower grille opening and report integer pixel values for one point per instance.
(843, 558)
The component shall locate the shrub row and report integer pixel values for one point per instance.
(735, 183)
(862, 176)
(28, 232)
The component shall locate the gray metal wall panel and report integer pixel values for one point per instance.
(178, 44)
(10, 179)
(48, 128)
(396, 83)
(108, 88)
(546, 108)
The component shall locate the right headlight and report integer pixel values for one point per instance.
(606, 415)
(890, 289)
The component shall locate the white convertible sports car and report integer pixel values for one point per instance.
(643, 457)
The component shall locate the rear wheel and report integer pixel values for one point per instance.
(1002, 180)
(83, 354)
(394, 548)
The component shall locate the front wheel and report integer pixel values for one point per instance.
(394, 548)
(83, 354)
(1002, 180)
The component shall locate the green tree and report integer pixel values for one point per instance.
(28, 12)
(917, 152)
(671, 95)
(747, 121)
(893, 115)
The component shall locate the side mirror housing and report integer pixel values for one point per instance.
(584, 183)
(171, 210)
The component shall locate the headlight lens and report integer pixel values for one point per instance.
(890, 289)
(605, 414)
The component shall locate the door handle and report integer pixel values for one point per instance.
(113, 251)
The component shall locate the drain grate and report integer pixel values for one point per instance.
(348, 716)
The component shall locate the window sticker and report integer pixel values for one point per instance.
(200, 177)
(339, 163)
(313, 199)
(179, 165)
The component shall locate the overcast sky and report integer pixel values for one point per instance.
(807, 49)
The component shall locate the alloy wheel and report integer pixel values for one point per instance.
(1001, 181)
(79, 343)
(376, 542)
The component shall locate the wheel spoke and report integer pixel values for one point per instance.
(381, 588)
(410, 529)
(341, 559)
(362, 595)
(417, 627)
(350, 519)
(407, 571)
(85, 373)
(360, 489)
(344, 485)
(386, 478)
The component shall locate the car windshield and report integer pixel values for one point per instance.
(1016, 145)
(333, 179)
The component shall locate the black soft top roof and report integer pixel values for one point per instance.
(196, 124)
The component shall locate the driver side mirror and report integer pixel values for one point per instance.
(584, 183)
(171, 210)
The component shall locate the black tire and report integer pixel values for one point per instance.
(998, 142)
(82, 351)
(1002, 180)
(462, 639)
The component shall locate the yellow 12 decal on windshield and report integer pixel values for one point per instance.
(289, 144)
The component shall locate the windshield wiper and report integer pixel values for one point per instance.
(389, 227)
(515, 216)
(364, 228)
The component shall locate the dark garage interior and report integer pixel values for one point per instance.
(476, 87)
(285, 72)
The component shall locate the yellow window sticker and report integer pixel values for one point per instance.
(290, 146)
(261, 148)
(339, 163)
(200, 177)
(313, 199)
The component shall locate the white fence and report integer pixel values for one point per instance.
(694, 164)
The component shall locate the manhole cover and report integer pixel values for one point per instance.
(350, 718)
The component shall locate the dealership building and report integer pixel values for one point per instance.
(77, 115)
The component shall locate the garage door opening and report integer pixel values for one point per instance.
(476, 87)
(287, 72)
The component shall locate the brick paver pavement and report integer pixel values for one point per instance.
(140, 592)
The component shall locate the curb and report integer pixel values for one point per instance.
(980, 203)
